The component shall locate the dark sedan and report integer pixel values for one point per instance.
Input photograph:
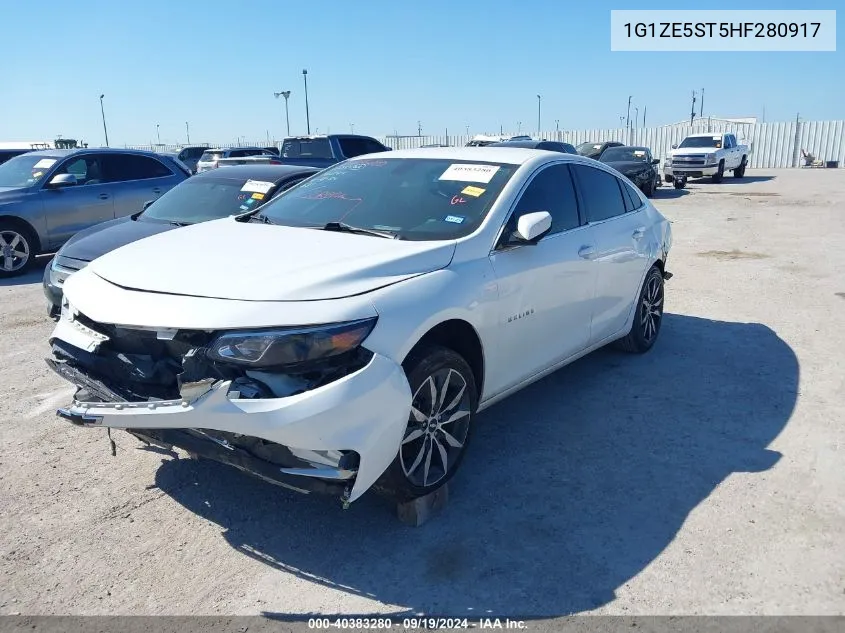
(551, 146)
(637, 164)
(210, 195)
(591, 149)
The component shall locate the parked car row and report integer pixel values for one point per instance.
(338, 330)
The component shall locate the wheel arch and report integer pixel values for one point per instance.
(21, 224)
(461, 337)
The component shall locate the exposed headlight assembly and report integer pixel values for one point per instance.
(289, 346)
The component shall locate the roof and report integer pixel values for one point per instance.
(486, 154)
(230, 148)
(527, 144)
(62, 153)
(259, 171)
(707, 134)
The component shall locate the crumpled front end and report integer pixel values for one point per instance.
(330, 427)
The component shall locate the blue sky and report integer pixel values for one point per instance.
(381, 65)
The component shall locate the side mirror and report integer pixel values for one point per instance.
(62, 180)
(147, 204)
(532, 226)
(674, 147)
(655, 161)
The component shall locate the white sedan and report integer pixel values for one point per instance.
(347, 334)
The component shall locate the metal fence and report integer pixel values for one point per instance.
(773, 145)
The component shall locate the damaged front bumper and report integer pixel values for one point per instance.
(337, 438)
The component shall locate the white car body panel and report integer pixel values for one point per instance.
(533, 308)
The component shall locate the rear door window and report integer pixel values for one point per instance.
(122, 167)
(600, 193)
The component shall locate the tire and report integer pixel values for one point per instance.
(426, 441)
(739, 172)
(648, 190)
(18, 248)
(720, 173)
(669, 178)
(648, 315)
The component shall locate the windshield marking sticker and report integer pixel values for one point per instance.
(44, 163)
(473, 191)
(257, 186)
(243, 207)
(258, 196)
(249, 202)
(470, 173)
(455, 219)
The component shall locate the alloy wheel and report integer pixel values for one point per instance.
(437, 428)
(652, 307)
(14, 251)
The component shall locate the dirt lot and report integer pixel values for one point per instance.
(705, 477)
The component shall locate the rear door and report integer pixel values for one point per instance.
(71, 209)
(545, 290)
(616, 216)
(136, 179)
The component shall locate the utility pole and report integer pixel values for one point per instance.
(557, 129)
(307, 114)
(105, 130)
(188, 132)
(158, 136)
(701, 105)
(645, 109)
(539, 99)
(419, 128)
(286, 95)
(692, 108)
(628, 116)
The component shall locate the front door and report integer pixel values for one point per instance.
(545, 290)
(70, 209)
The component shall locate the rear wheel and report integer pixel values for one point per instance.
(17, 250)
(439, 424)
(648, 189)
(648, 315)
(739, 172)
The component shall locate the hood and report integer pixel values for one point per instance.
(12, 194)
(628, 166)
(684, 151)
(226, 259)
(101, 238)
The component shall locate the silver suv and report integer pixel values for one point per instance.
(210, 157)
(47, 196)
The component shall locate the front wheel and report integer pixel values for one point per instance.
(443, 408)
(720, 172)
(648, 315)
(17, 250)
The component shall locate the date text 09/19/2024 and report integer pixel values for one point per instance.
(377, 623)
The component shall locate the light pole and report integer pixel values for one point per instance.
(636, 116)
(188, 132)
(557, 129)
(352, 128)
(539, 99)
(158, 136)
(103, 112)
(286, 95)
(307, 114)
(419, 128)
(518, 127)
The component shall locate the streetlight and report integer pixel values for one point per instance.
(286, 95)
(518, 127)
(188, 132)
(158, 136)
(557, 129)
(307, 115)
(636, 115)
(419, 128)
(103, 112)
(352, 128)
(539, 98)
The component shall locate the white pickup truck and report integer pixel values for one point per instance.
(705, 154)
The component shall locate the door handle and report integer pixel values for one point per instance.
(104, 196)
(638, 233)
(587, 252)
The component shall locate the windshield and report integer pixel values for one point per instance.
(415, 198)
(306, 148)
(202, 199)
(624, 154)
(586, 148)
(25, 170)
(210, 157)
(702, 141)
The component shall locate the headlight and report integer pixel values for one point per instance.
(709, 158)
(59, 274)
(290, 346)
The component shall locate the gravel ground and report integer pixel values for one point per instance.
(706, 477)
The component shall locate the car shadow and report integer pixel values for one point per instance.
(31, 276)
(668, 193)
(571, 488)
(730, 180)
